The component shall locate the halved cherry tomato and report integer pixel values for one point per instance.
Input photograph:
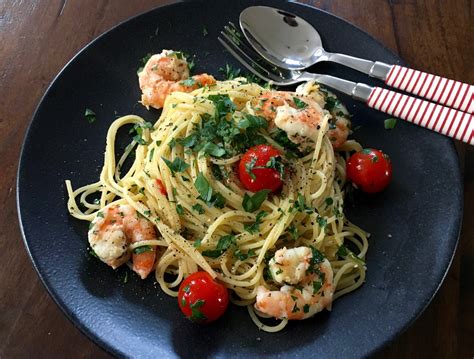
(201, 298)
(161, 187)
(370, 170)
(256, 171)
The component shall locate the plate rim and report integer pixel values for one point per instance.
(113, 350)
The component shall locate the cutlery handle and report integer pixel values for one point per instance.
(444, 120)
(438, 89)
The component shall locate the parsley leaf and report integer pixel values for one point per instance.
(301, 206)
(252, 203)
(223, 104)
(90, 115)
(213, 149)
(224, 243)
(178, 165)
(203, 187)
(299, 103)
(390, 123)
(255, 227)
(142, 249)
(322, 221)
(179, 209)
(331, 103)
(243, 256)
(206, 193)
(198, 208)
(143, 62)
(251, 121)
(188, 141)
(196, 314)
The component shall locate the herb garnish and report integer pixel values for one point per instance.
(255, 227)
(178, 165)
(198, 208)
(196, 314)
(207, 194)
(301, 206)
(143, 61)
(224, 243)
(142, 249)
(331, 103)
(252, 203)
(90, 115)
(390, 123)
(299, 103)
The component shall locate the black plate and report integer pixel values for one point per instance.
(421, 210)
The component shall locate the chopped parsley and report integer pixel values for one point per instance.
(224, 243)
(178, 165)
(89, 115)
(344, 253)
(317, 285)
(329, 201)
(179, 209)
(206, 193)
(196, 314)
(293, 231)
(252, 203)
(243, 256)
(204, 31)
(143, 62)
(390, 123)
(198, 208)
(142, 249)
(255, 227)
(301, 206)
(331, 103)
(138, 130)
(291, 148)
(220, 134)
(322, 221)
(299, 103)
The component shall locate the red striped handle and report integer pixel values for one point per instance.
(438, 89)
(445, 120)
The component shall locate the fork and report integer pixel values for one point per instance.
(447, 121)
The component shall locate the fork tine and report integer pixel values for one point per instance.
(245, 60)
(243, 53)
(237, 37)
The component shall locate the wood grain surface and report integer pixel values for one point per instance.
(37, 38)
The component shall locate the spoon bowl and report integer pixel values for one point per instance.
(281, 37)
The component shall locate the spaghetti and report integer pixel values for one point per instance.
(194, 199)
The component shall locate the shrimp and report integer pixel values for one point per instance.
(111, 232)
(339, 125)
(300, 116)
(308, 284)
(165, 73)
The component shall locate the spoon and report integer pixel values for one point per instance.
(292, 43)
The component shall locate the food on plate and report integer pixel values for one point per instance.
(370, 170)
(201, 298)
(235, 193)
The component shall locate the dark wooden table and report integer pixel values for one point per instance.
(37, 38)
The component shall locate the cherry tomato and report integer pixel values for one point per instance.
(370, 170)
(201, 298)
(161, 187)
(257, 170)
